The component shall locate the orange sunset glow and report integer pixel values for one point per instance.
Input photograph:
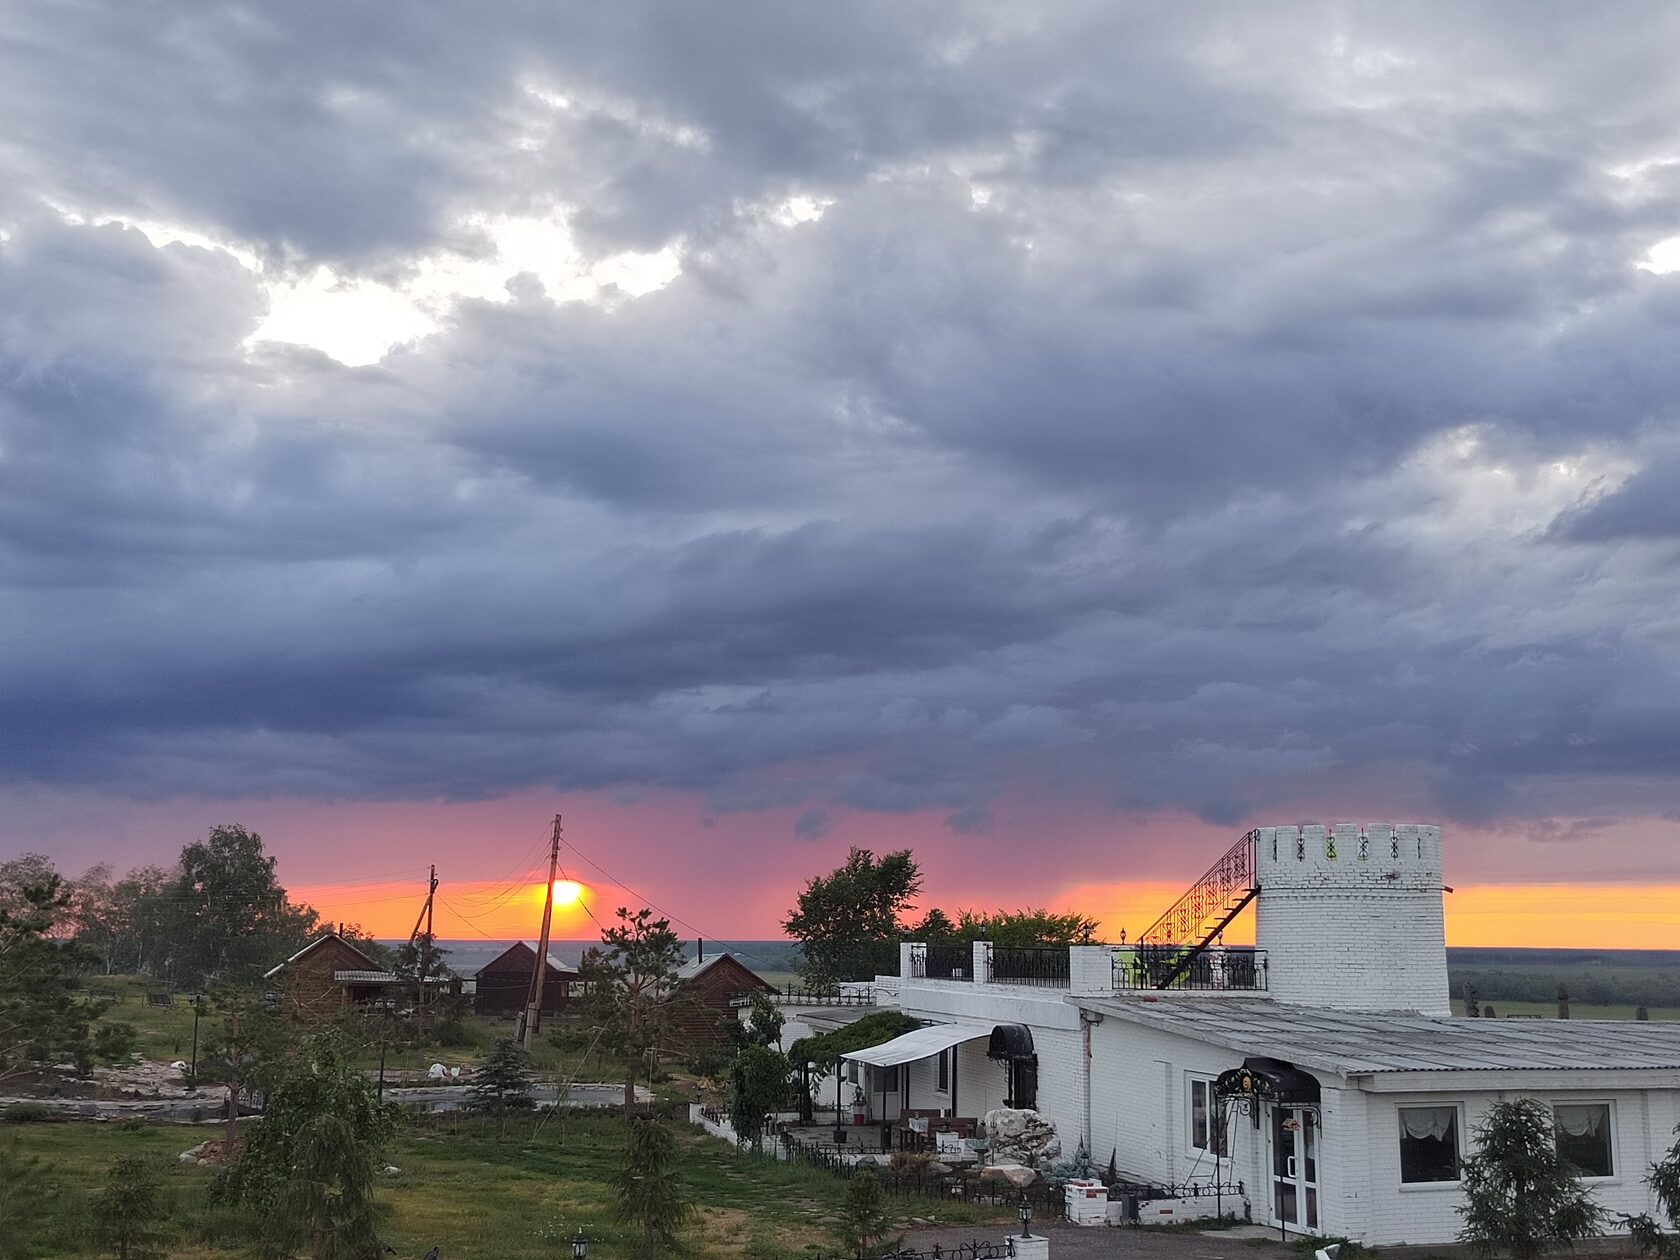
(1556, 916)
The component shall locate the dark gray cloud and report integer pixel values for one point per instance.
(1209, 412)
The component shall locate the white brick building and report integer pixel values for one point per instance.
(1317, 1083)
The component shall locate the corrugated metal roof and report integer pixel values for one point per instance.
(1358, 1042)
(365, 977)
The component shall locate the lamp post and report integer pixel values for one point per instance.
(198, 1011)
(1025, 1210)
(580, 1245)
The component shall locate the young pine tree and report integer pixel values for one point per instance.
(502, 1082)
(129, 1210)
(649, 1193)
(1647, 1233)
(866, 1224)
(1520, 1195)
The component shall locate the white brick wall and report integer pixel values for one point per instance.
(1351, 916)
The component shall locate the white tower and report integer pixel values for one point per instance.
(1350, 917)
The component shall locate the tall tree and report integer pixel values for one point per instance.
(648, 1192)
(1026, 929)
(758, 1085)
(45, 1017)
(633, 975)
(1520, 1195)
(232, 919)
(848, 921)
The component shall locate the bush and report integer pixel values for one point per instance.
(31, 1113)
(1520, 1195)
(114, 1042)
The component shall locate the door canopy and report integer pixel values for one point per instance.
(1010, 1042)
(1269, 1080)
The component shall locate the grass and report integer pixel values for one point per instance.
(482, 1196)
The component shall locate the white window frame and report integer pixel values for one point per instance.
(1418, 1104)
(1609, 1105)
(1191, 1080)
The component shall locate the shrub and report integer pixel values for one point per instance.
(30, 1113)
(114, 1042)
(1519, 1194)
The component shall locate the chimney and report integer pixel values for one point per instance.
(699, 949)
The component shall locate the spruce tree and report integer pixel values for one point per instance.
(128, 1210)
(1519, 1194)
(649, 1193)
(866, 1224)
(502, 1082)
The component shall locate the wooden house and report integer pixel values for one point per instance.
(703, 1003)
(328, 973)
(504, 983)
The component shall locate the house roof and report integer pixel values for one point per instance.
(1358, 1043)
(554, 964)
(698, 966)
(314, 945)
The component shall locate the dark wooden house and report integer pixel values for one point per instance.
(504, 983)
(704, 1001)
(327, 974)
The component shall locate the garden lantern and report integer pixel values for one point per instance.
(580, 1245)
(1026, 1216)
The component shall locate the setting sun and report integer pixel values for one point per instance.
(567, 892)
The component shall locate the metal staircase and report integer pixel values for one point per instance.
(1193, 922)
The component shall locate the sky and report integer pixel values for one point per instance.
(1053, 438)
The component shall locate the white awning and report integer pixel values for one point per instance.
(923, 1043)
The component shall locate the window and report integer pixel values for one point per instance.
(1583, 1137)
(944, 1071)
(1206, 1133)
(1428, 1144)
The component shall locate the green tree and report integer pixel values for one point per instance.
(1520, 1195)
(246, 1039)
(115, 1041)
(866, 1223)
(847, 922)
(1027, 929)
(758, 1085)
(1648, 1234)
(648, 1194)
(502, 1082)
(45, 1017)
(129, 1210)
(632, 976)
(230, 918)
(308, 1166)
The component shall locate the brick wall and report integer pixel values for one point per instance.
(1350, 916)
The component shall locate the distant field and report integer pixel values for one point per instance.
(1577, 1010)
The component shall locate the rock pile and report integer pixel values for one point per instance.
(1021, 1136)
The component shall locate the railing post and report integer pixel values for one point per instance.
(906, 959)
(982, 973)
(1090, 969)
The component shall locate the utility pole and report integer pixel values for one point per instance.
(426, 940)
(539, 971)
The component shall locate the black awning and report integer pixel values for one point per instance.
(1010, 1041)
(1269, 1080)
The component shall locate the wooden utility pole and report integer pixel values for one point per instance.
(426, 940)
(539, 971)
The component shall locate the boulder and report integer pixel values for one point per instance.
(1021, 1136)
(197, 1154)
(1017, 1175)
(937, 1169)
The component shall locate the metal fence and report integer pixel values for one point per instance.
(1048, 968)
(941, 962)
(1153, 967)
(912, 1178)
(975, 1250)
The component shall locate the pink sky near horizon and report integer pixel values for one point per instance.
(734, 875)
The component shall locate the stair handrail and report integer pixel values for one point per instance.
(1208, 900)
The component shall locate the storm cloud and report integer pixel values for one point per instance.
(869, 408)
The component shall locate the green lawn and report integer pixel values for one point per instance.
(480, 1196)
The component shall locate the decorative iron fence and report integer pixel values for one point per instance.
(791, 996)
(1048, 968)
(1210, 899)
(911, 1177)
(1154, 967)
(941, 962)
(714, 1114)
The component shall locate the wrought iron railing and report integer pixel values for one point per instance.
(1046, 967)
(1167, 967)
(1211, 901)
(791, 996)
(941, 962)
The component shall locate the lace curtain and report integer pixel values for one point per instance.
(1581, 1120)
(1428, 1122)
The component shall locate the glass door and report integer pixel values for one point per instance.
(1294, 1140)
